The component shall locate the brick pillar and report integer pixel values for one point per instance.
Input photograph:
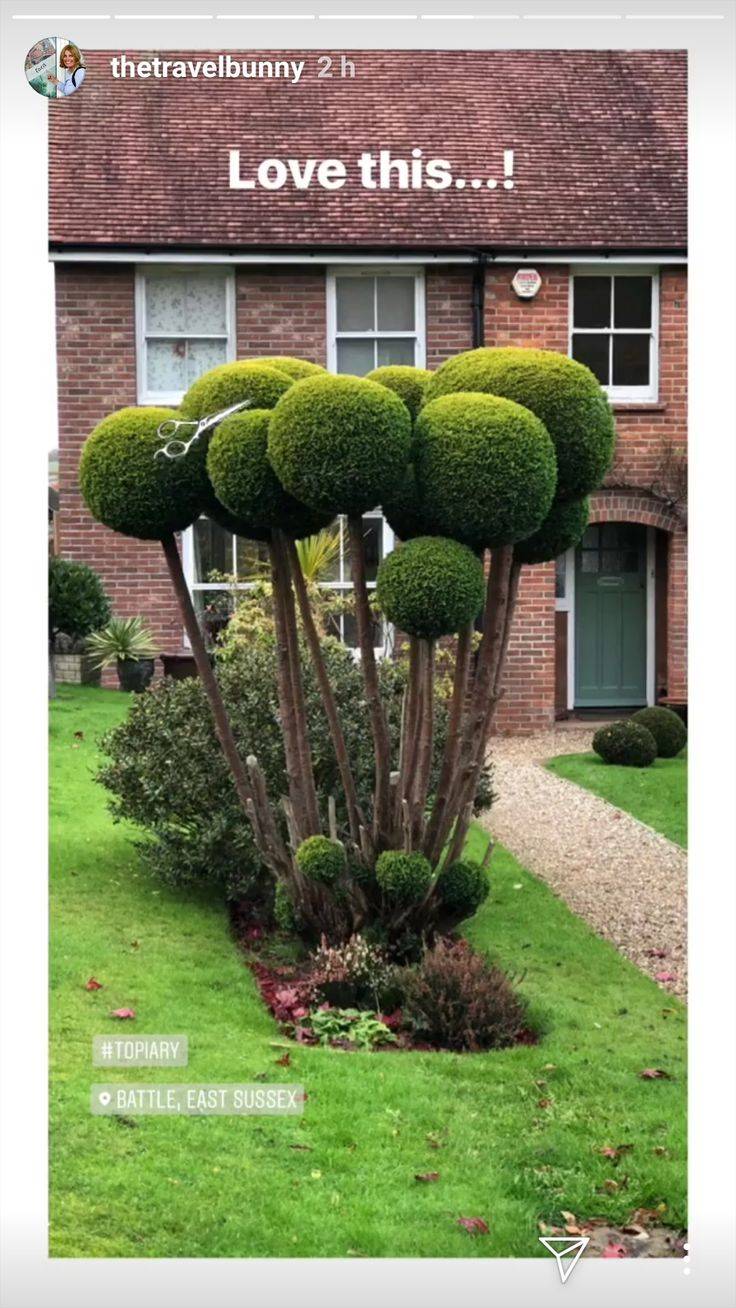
(528, 702)
(677, 616)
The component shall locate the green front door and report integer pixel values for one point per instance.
(611, 616)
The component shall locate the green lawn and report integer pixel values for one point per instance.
(520, 1131)
(656, 795)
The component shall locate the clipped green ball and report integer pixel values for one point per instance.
(668, 729)
(337, 443)
(404, 878)
(408, 383)
(562, 528)
(232, 382)
(294, 368)
(463, 887)
(485, 469)
(564, 394)
(247, 486)
(626, 743)
(430, 586)
(128, 487)
(321, 859)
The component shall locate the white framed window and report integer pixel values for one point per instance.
(375, 316)
(614, 328)
(185, 325)
(208, 548)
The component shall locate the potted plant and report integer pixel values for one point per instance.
(77, 605)
(127, 642)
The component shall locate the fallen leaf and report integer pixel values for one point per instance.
(636, 1230)
(614, 1152)
(123, 1012)
(79, 735)
(656, 953)
(284, 1062)
(474, 1225)
(654, 1074)
(316, 1175)
(93, 984)
(427, 1176)
(544, 1103)
(614, 1251)
(664, 976)
(568, 1217)
(301, 1146)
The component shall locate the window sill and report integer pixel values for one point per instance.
(638, 406)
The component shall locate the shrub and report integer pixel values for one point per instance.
(123, 639)
(320, 859)
(455, 999)
(485, 469)
(561, 392)
(404, 510)
(669, 730)
(430, 587)
(462, 888)
(403, 878)
(356, 974)
(284, 913)
(562, 528)
(77, 600)
(350, 1026)
(165, 770)
(627, 743)
(338, 443)
(294, 368)
(408, 383)
(246, 484)
(131, 490)
(232, 382)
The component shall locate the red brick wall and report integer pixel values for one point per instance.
(281, 311)
(449, 313)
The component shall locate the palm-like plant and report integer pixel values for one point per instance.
(317, 554)
(122, 640)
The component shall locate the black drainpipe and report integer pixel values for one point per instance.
(479, 300)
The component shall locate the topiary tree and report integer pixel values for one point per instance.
(78, 605)
(505, 447)
(294, 368)
(628, 744)
(668, 729)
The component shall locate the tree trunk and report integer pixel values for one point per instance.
(379, 727)
(452, 743)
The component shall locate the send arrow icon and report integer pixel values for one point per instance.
(567, 1251)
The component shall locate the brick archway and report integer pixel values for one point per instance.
(622, 506)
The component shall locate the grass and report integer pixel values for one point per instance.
(519, 1131)
(656, 795)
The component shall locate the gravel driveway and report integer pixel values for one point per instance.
(627, 881)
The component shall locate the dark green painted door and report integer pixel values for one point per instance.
(611, 616)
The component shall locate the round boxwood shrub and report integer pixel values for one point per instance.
(430, 586)
(462, 887)
(668, 729)
(627, 743)
(562, 528)
(321, 859)
(294, 368)
(246, 484)
(232, 382)
(338, 443)
(485, 469)
(403, 877)
(128, 488)
(78, 604)
(408, 383)
(561, 392)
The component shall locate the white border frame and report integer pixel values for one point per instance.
(166, 398)
(623, 394)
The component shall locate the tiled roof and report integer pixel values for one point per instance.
(599, 141)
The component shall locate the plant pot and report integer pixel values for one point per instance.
(135, 674)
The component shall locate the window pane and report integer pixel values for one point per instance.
(561, 576)
(206, 303)
(395, 297)
(632, 301)
(592, 302)
(350, 632)
(589, 561)
(593, 352)
(251, 559)
(372, 537)
(203, 355)
(631, 360)
(213, 549)
(166, 303)
(355, 357)
(395, 351)
(355, 309)
(166, 366)
(611, 561)
(591, 536)
(631, 561)
(610, 535)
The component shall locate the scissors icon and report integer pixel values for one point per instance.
(175, 447)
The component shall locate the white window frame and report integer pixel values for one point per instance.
(622, 394)
(419, 334)
(142, 273)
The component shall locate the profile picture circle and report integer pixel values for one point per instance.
(55, 67)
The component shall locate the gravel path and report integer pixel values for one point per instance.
(627, 881)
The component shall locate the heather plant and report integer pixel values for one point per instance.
(497, 448)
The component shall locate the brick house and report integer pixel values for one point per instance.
(163, 271)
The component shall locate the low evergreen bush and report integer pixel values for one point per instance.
(78, 604)
(668, 729)
(626, 743)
